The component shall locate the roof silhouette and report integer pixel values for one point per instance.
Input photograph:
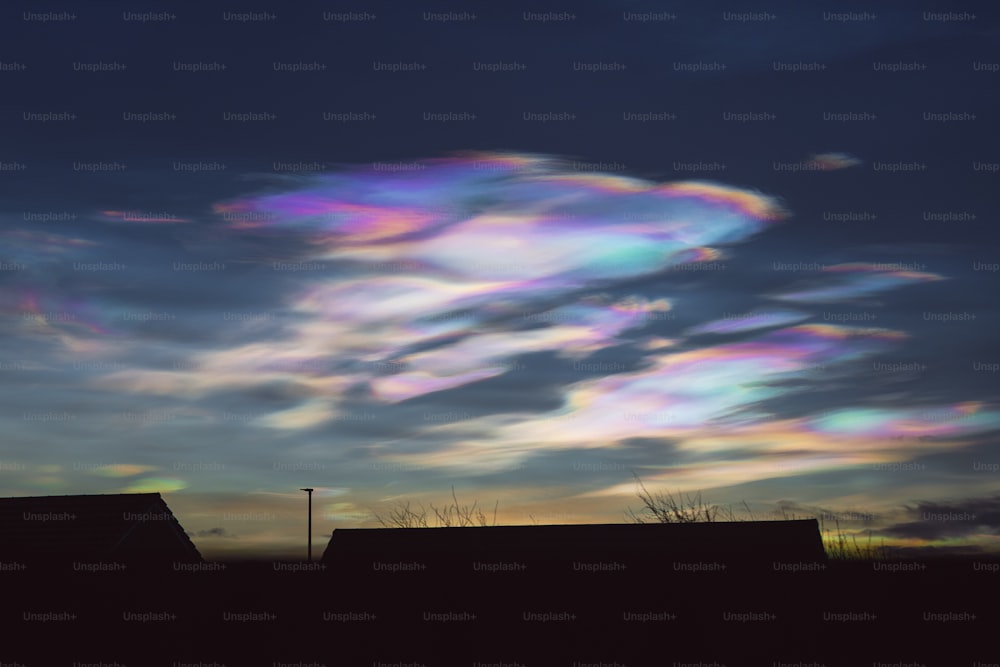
(127, 526)
(740, 540)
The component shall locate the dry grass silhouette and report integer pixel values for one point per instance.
(657, 508)
(668, 508)
(844, 547)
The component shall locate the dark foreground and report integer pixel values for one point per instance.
(404, 613)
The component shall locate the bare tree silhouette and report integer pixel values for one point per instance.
(665, 508)
(657, 508)
(452, 515)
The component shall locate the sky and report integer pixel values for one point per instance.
(529, 252)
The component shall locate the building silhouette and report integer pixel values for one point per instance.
(128, 527)
(741, 542)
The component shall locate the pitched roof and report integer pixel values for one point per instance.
(120, 526)
(759, 540)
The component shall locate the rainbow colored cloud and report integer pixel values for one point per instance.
(444, 273)
(842, 282)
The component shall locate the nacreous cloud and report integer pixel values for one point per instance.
(441, 275)
(843, 282)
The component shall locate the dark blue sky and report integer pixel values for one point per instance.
(225, 279)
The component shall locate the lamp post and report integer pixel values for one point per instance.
(310, 492)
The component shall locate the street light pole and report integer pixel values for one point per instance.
(310, 492)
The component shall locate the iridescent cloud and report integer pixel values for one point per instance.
(832, 161)
(144, 217)
(706, 403)
(30, 248)
(750, 321)
(582, 329)
(533, 222)
(155, 485)
(451, 273)
(847, 281)
(451, 270)
(119, 469)
(44, 312)
(930, 421)
(676, 395)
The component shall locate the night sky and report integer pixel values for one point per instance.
(526, 250)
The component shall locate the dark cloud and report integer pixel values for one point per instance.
(211, 532)
(590, 469)
(931, 552)
(941, 520)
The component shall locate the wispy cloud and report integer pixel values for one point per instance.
(497, 317)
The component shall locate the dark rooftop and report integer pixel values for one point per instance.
(758, 540)
(124, 526)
